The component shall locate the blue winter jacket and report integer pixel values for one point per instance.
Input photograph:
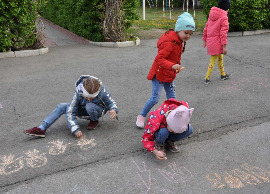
(103, 99)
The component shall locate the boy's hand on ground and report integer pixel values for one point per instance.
(160, 155)
(78, 134)
(177, 68)
(113, 114)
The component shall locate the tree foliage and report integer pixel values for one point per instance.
(17, 24)
(244, 14)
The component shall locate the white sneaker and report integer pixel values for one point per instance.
(140, 121)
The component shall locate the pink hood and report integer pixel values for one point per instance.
(215, 31)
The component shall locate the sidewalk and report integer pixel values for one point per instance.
(234, 163)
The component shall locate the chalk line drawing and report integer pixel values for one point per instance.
(237, 178)
(232, 181)
(248, 178)
(145, 175)
(216, 180)
(1, 106)
(58, 147)
(175, 174)
(260, 173)
(86, 144)
(35, 159)
(10, 165)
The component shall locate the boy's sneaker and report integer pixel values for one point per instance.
(35, 131)
(140, 121)
(92, 125)
(226, 76)
(172, 147)
(207, 81)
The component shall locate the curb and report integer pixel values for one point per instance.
(24, 53)
(137, 42)
(248, 33)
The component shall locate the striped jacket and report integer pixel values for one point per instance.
(103, 99)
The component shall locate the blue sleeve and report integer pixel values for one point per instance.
(109, 102)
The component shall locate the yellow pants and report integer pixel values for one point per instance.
(211, 66)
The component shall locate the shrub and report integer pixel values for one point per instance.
(17, 24)
(244, 14)
(85, 17)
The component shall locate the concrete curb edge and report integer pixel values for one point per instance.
(137, 42)
(24, 53)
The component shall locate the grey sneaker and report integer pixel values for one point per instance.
(172, 147)
(207, 81)
(226, 76)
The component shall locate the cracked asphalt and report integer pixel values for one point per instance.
(228, 152)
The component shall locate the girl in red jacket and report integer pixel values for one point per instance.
(167, 63)
(215, 38)
(166, 125)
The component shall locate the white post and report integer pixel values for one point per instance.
(187, 5)
(170, 9)
(143, 9)
(193, 8)
(163, 9)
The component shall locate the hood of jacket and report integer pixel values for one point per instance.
(171, 36)
(216, 13)
(79, 83)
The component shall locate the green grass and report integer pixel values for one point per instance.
(154, 19)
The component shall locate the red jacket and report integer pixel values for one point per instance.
(169, 53)
(157, 120)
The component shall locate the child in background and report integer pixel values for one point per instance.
(167, 63)
(166, 125)
(215, 38)
(91, 99)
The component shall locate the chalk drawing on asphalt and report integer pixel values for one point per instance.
(239, 177)
(86, 144)
(1, 106)
(10, 165)
(175, 174)
(35, 159)
(145, 175)
(58, 147)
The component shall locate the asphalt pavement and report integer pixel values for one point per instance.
(228, 152)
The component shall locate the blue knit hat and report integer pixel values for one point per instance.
(185, 22)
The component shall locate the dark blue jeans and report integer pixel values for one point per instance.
(164, 134)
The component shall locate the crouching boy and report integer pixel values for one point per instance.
(91, 100)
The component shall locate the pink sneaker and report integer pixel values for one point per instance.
(140, 121)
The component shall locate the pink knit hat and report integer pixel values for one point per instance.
(179, 118)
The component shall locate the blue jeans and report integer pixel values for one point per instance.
(92, 110)
(163, 134)
(156, 94)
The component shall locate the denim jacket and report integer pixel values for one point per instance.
(103, 99)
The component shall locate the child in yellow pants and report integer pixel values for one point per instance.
(215, 37)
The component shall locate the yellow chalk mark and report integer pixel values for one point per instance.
(10, 165)
(232, 181)
(248, 178)
(35, 159)
(216, 180)
(260, 173)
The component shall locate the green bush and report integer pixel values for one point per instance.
(84, 17)
(244, 14)
(17, 24)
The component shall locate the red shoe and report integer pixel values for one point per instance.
(92, 125)
(35, 132)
